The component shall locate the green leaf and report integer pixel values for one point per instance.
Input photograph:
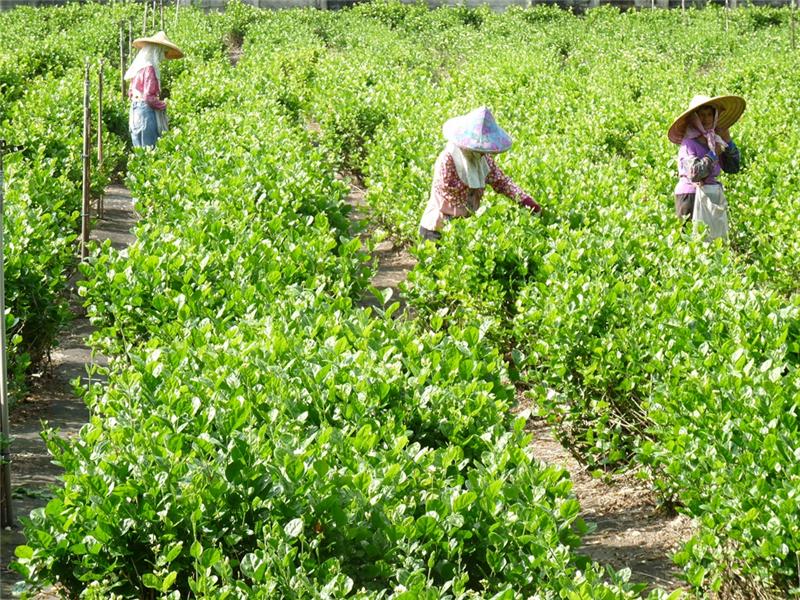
(294, 527)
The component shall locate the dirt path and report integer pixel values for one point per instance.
(235, 50)
(631, 530)
(52, 399)
(393, 260)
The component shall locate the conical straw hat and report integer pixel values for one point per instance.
(171, 51)
(729, 109)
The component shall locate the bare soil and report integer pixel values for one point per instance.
(52, 401)
(392, 260)
(235, 50)
(632, 530)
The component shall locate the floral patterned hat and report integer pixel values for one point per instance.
(477, 130)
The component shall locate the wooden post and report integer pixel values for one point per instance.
(86, 158)
(727, 10)
(122, 62)
(100, 207)
(6, 509)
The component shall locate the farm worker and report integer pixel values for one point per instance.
(706, 148)
(464, 168)
(148, 117)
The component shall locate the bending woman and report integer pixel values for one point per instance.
(464, 168)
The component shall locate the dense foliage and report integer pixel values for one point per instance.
(643, 345)
(261, 435)
(41, 114)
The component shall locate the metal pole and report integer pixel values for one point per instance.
(86, 136)
(7, 512)
(100, 207)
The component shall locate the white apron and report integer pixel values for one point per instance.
(711, 208)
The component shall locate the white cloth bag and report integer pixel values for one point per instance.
(161, 121)
(711, 208)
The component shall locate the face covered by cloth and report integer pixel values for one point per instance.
(149, 55)
(695, 129)
(471, 166)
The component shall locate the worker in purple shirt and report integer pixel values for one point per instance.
(706, 148)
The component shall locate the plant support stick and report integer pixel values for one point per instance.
(6, 512)
(122, 62)
(100, 130)
(85, 155)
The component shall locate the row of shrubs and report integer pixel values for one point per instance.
(260, 434)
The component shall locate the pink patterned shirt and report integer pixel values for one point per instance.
(145, 86)
(450, 197)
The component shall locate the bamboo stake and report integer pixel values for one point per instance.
(727, 10)
(792, 19)
(122, 62)
(100, 203)
(130, 36)
(7, 512)
(144, 20)
(153, 15)
(177, 8)
(161, 10)
(86, 158)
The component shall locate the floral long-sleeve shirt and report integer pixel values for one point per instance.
(145, 86)
(696, 164)
(451, 197)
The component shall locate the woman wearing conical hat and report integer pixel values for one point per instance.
(706, 148)
(464, 168)
(148, 118)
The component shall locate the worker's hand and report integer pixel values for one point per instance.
(533, 206)
(724, 133)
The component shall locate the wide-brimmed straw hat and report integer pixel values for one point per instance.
(729, 109)
(477, 130)
(171, 51)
